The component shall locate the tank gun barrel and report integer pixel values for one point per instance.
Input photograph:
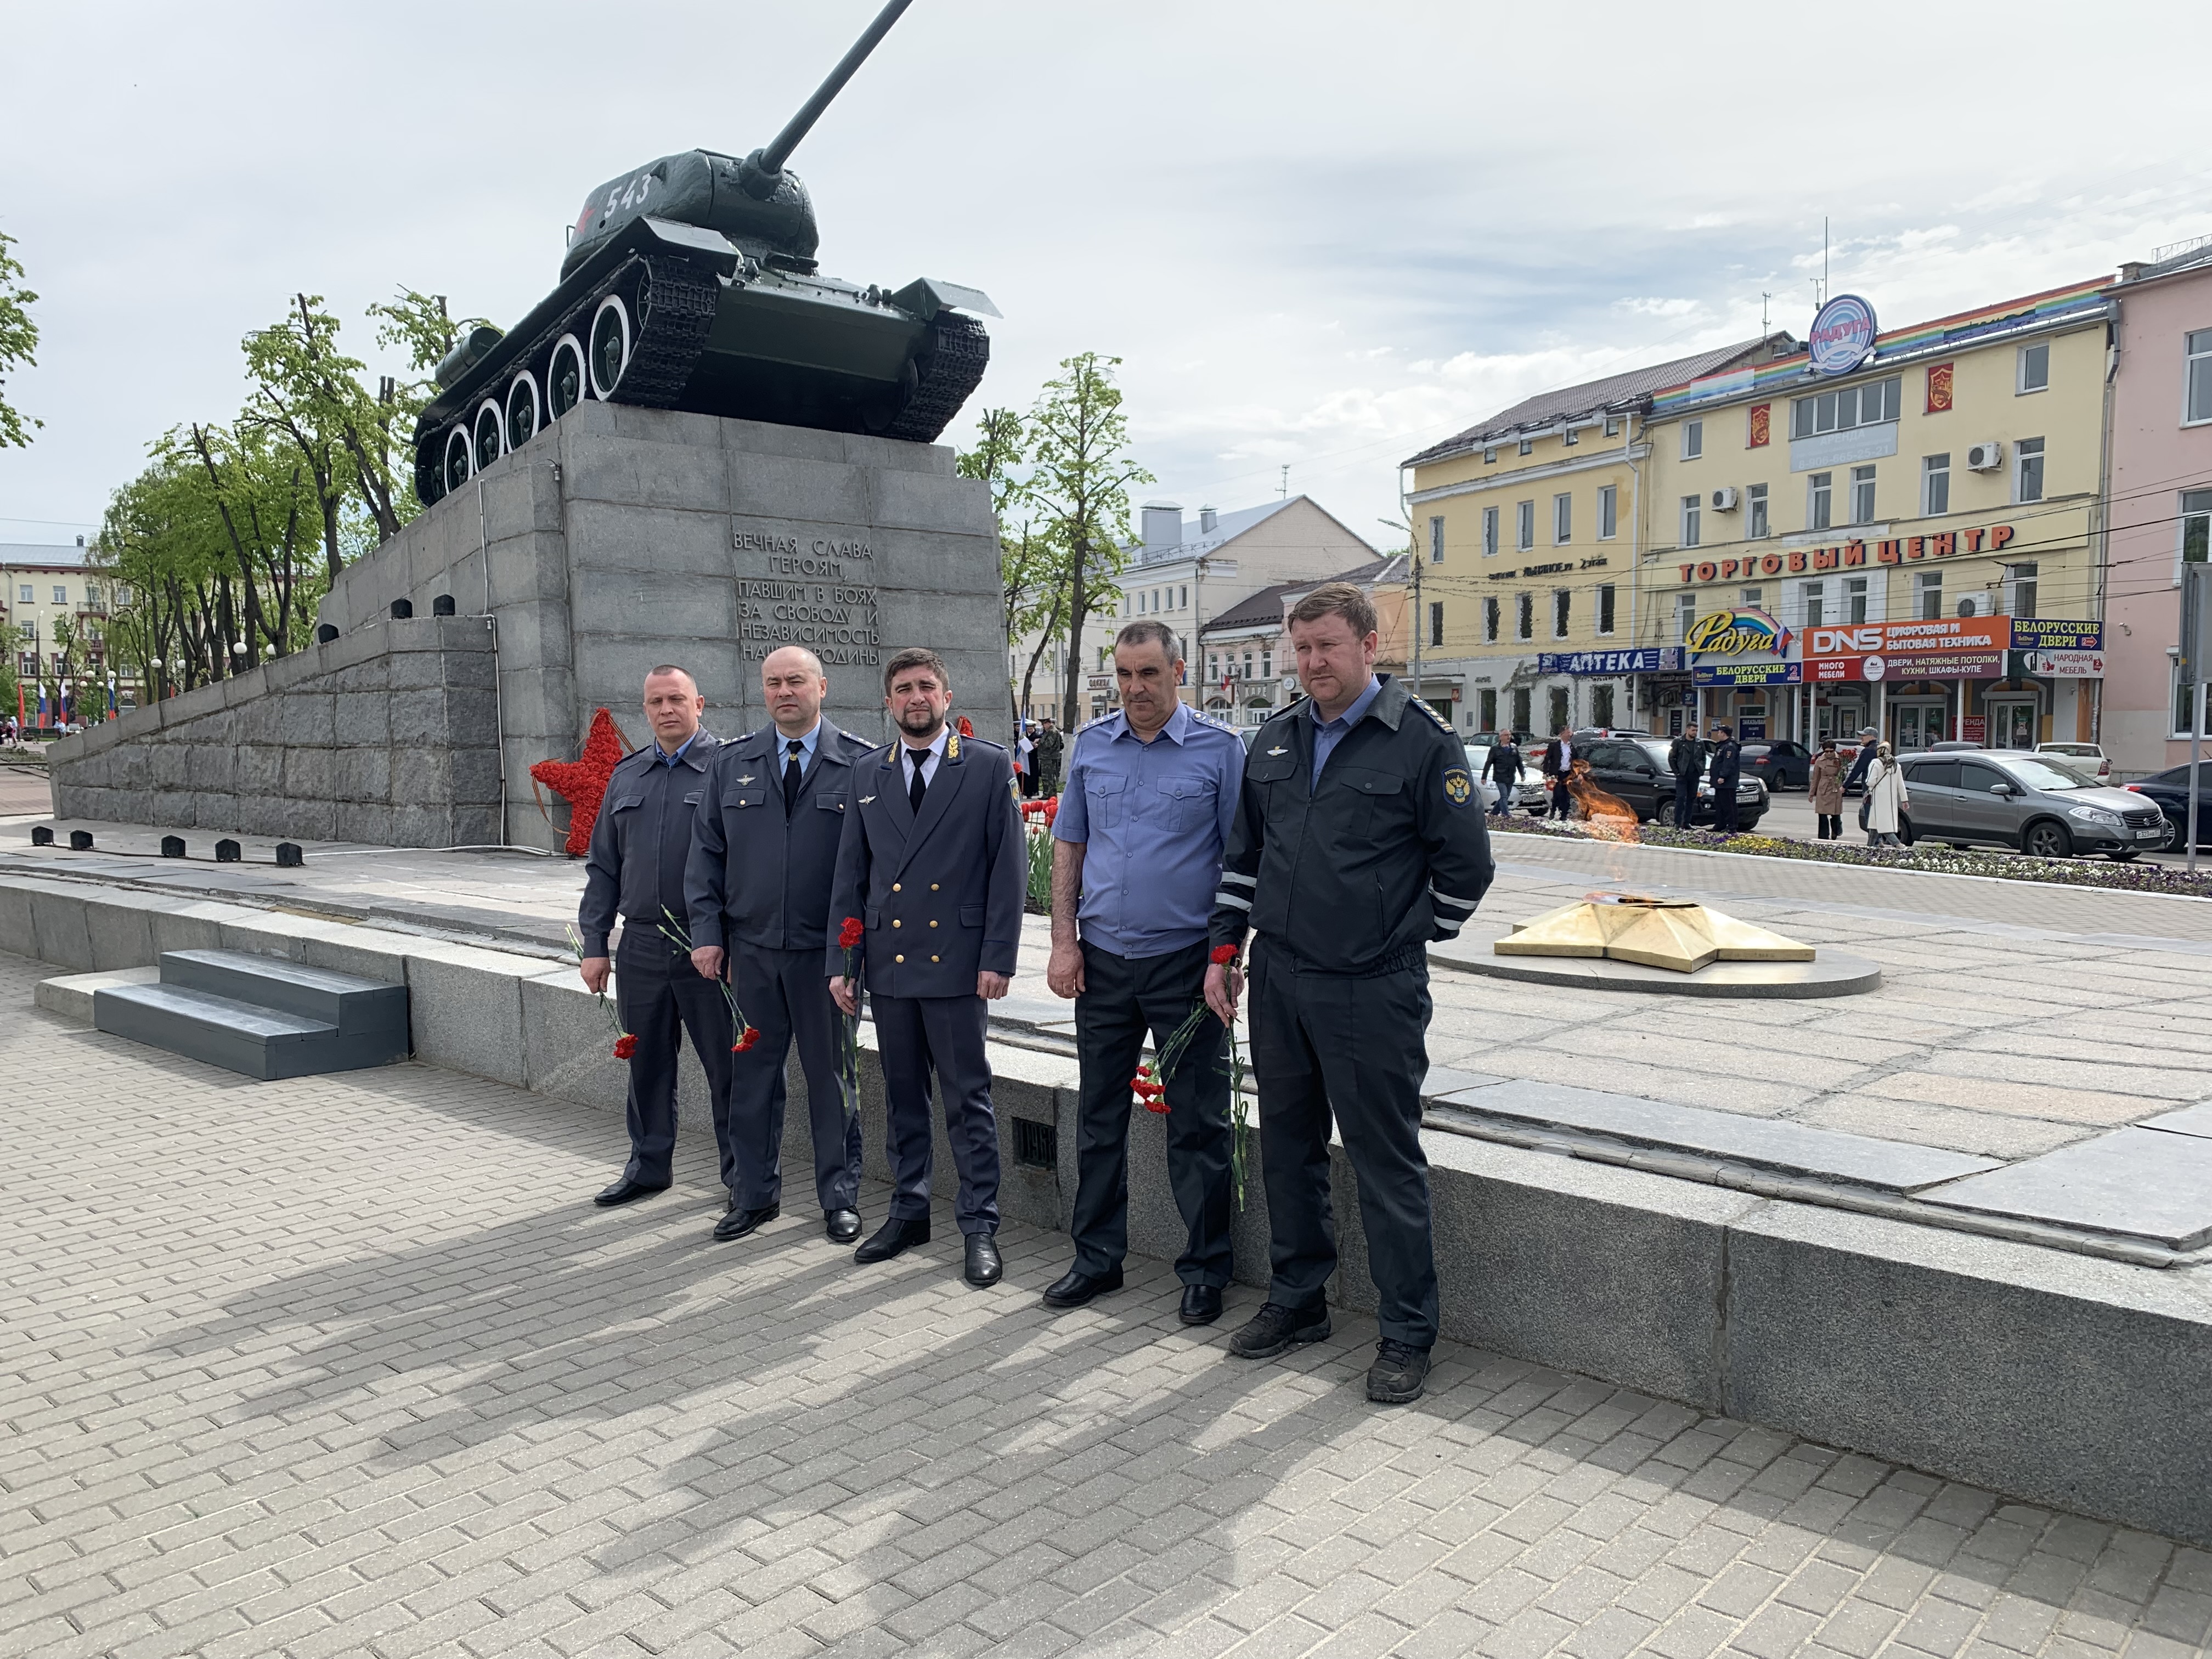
(764, 166)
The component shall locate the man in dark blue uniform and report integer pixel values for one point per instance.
(934, 864)
(636, 869)
(1726, 769)
(1359, 838)
(1151, 793)
(763, 858)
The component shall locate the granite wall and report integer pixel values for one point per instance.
(387, 734)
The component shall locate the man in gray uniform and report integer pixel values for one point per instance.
(1151, 794)
(763, 858)
(934, 865)
(636, 869)
(1359, 838)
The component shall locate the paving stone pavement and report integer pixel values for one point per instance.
(349, 1365)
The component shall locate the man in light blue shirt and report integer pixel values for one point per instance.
(1151, 794)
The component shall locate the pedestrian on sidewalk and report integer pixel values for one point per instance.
(1857, 776)
(1503, 766)
(1151, 792)
(1826, 786)
(1727, 769)
(1559, 768)
(1886, 803)
(1686, 759)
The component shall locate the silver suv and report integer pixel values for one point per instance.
(2018, 798)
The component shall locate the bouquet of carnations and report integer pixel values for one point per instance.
(672, 931)
(1149, 1084)
(849, 935)
(625, 1044)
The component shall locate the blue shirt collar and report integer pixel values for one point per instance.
(780, 745)
(1177, 728)
(662, 757)
(1351, 716)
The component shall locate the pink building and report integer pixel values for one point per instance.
(2160, 502)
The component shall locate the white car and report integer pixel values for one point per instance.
(2086, 758)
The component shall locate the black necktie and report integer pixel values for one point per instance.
(914, 793)
(792, 746)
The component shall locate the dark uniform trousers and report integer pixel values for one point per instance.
(1358, 1045)
(784, 995)
(660, 996)
(1124, 997)
(1685, 802)
(915, 1037)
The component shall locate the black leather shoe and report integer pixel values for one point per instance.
(983, 1264)
(625, 1191)
(893, 1237)
(1399, 1374)
(1078, 1287)
(1201, 1304)
(1276, 1327)
(842, 1226)
(738, 1223)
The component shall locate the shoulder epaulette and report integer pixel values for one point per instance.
(1422, 704)
(1096, 720)
(1214, 721)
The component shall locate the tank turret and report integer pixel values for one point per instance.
(691, 283)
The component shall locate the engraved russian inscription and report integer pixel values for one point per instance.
(797, 588)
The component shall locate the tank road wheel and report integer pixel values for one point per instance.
(611, 345)
(521, 410)
(564, 378)
(459, 460)
(489, 418)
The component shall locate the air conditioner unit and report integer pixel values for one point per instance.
(1724, 499)
(1984, 604)
(1985, 457)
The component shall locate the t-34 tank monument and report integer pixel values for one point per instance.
(695, 449)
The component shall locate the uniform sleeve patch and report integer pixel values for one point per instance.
(1459, 788)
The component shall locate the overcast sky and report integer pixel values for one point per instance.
(1319, 235)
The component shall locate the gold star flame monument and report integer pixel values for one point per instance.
(1657, 932)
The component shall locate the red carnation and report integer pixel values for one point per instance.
(1224, 955)
(851, 933)
(746, 1038)
(625, 1046)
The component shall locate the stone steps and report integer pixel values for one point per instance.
(259, 1016)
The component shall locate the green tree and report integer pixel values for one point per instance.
(19, 341)
(1079, 441)
(1022, 585)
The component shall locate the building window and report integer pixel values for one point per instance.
(1560, 718)
(1605, 608)
(2035, 368)
(1248, 665)
(1753, 596)
(1490, 609)
(1528, 445)
(1928, 590)
(1818, 488)
(1489, 532)
(2022, 583)
(1487, 701)
(1562, 605)
(1846, 407)
(1521, 720)
(1862, 495)
(1602, 706)
(1436, 622)
(1572, 437)
(1490, 455)
(2183, 696)
(61, 594)
(2196, 378)
(1525, 527)
(1563, 520)
(92, 596)
(1686, 613)
(1693, 519)
(2027, 470)
(1613, 426)
(1855, 599)
(1436, 541)
(1609, 512)
(1267, 662)
(2196, 527)
(1182, 598)
(1524, 619)
(1816, 605)
(1756, 523)
(1936, 485)
(1694, 439)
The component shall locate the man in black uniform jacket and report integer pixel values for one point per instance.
(1359, 838)
(934, 864)
(635, 869)
(758, 888)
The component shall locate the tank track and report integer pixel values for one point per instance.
(958, 354)
(674, 304)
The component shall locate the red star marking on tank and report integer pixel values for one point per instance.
(582, 783)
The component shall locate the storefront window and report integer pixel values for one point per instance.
(1487, 701)
(1602, 705)
(1521, 720)
(1559, 702)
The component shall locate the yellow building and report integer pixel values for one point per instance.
(1906, 536)
(1525, 526)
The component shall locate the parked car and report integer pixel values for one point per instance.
(2169, 791)
(1529, 795)
(1634, 769)
(1780, 765)
(2019, 798)
(2096, 767)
